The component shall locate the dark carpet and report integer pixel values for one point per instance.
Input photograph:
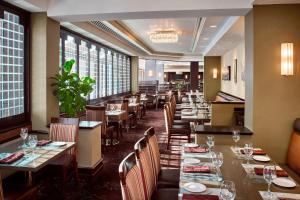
(108, 186)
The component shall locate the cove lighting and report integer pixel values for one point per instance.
(164, 37)
(287, 61)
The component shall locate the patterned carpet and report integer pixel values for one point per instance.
(108, 186)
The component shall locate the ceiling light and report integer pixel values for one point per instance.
(213, 26)
(164, 37)
(205, 38)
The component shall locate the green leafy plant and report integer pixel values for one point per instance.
(71, 90)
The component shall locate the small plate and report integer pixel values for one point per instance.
(194, 187)
(190, 145)
(262, 158)
(191, 161)
(58, 144)
(284, 182)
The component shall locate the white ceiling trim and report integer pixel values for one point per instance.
(198, 30)
(226, 26)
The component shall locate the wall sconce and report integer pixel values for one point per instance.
(215, 73)
(199, 76)
(150, 73)
(287, 61)
(186, 76)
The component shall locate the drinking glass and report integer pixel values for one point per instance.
(217, 160)
(248, 150)
(24, 134)
(32, 142)
(236, 138)
(227, 190)
(210, 142)
(269, 175)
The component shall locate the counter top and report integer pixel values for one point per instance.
(221, 130)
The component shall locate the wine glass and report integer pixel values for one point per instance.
(217, 160)
(236, 138)
(227, 190)
(32, 142)
(24, 134)
(210, 142)
(269, 173)
(248, 150)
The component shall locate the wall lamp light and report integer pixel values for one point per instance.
(287, 60)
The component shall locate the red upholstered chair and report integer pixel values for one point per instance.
(174, 130)
(146, 166)
(66, 130)
(293, 160)
(166, 178)
(97, 113)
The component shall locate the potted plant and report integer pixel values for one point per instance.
(71, 90)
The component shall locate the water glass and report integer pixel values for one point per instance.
(24, 134)
(236, 137)
(32, 142)
(269, 173)
(210, 142)
(227, 190)
(248, 150)
(217, 160)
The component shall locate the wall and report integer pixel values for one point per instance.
(228, 59)
(275, 98)
(45, 34)
(211, 86)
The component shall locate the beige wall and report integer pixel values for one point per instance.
(276, 99)
(223, 114)
(45, 34)
(211, 86)
(228, 59)
(134, 73)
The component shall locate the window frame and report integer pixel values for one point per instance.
(64, 32)
(16, 121)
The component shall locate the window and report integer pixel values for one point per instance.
(108, 67)
(14, 96)
(94, 71)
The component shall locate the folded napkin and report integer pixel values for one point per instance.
(195, 150)
(12, 158)
(280, 173)
(43, 142)
(256, 152)
(199, 197)
(196, 169)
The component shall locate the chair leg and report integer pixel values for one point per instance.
(76, 172)
(168, 145)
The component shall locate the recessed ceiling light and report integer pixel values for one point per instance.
(213, 26)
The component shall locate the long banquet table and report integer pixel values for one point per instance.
(247, 186)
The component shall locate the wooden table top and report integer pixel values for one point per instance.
(43, 155)
(247, 187)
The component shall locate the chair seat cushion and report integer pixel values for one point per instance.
(180, 130)
(168, 178)
(181, 122)
(165, 194)
(64, 160)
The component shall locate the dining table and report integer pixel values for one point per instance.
(248, 185)
(32, 161)
(116, 116)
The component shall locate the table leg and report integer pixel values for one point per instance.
(29, 178)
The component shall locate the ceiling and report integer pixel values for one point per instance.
(188, 28)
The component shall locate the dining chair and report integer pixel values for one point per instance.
(65, 130)
(118, 122)
(97, 113)
(174, 120)
(146, 166)
(166, 178)
(13, 190)
(173, 130)
(293, 160)
(140, 109)
(131, 181)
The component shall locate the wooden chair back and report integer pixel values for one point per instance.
(131, 180)
(97, 113)
(168, 123)
(146, 165)
(293, 160)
